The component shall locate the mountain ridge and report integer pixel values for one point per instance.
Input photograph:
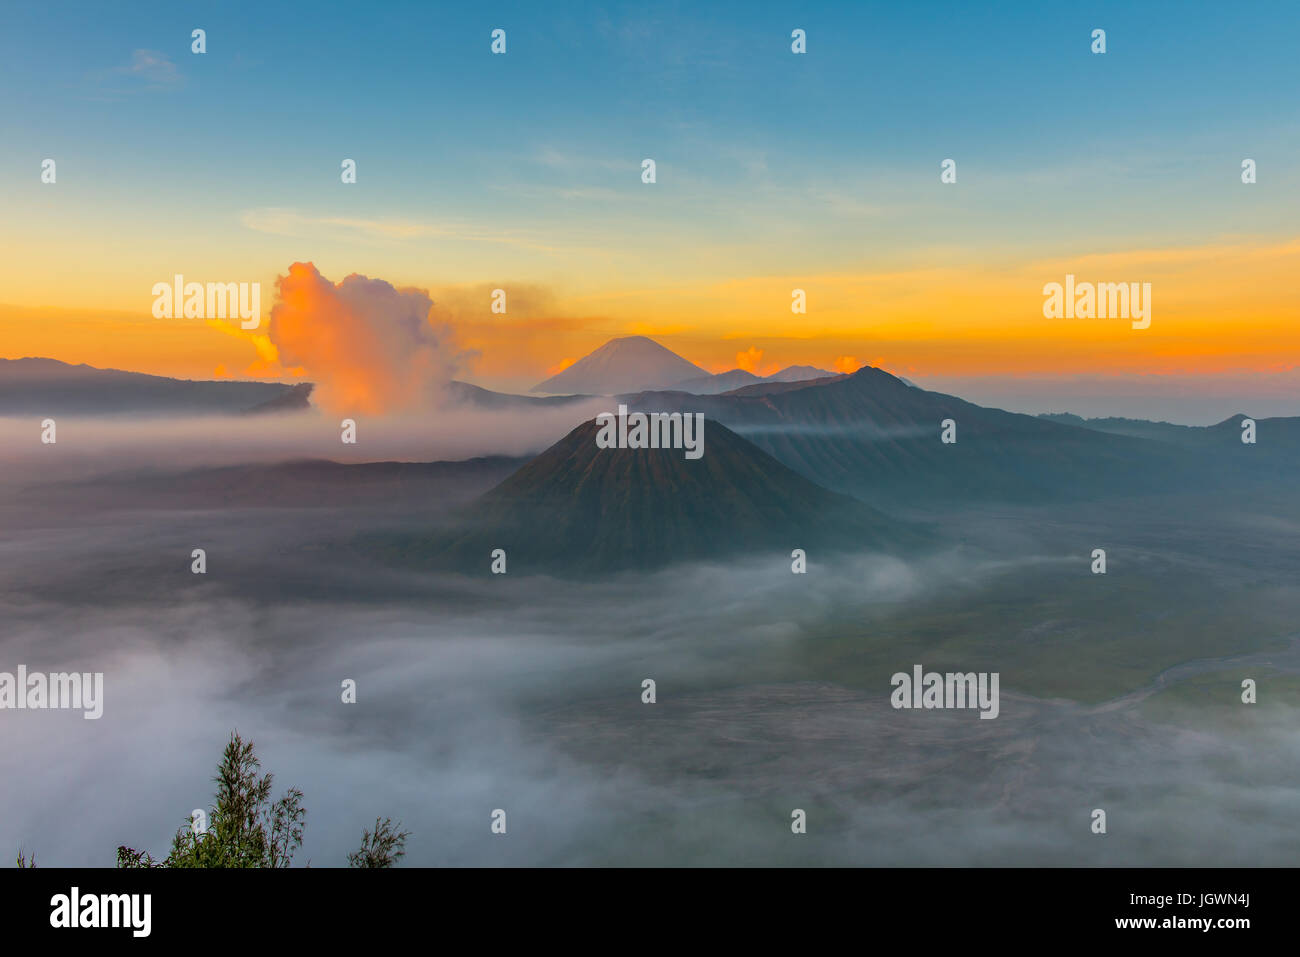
(41, 386)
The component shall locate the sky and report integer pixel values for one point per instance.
(775, 171)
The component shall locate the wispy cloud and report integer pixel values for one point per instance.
(281, 221)
(152, 67)
(596, 193)
(288, 222)
(148, 70)
(558, 159)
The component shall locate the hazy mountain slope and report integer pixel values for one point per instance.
(464, 394)
(1219, 450)
(739, 379)
(871, 435)
(798, 374)
(1140, 428)
(770, 386)
(713, 384)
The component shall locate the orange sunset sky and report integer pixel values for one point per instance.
(774, 172)
(1215, 308)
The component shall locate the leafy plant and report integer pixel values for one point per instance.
(382, 847)
(247, 829)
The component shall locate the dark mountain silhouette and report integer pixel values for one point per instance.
(872, 435)
(1140, 428)
(49, 387)
(577, 508)
(295, 400)
(1275, 453)
(629, 364)
(1191, 436)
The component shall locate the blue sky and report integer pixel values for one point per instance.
(1010, 89)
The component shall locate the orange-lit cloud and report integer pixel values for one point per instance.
(267, 363)
(749, 359)
(369, 347)
(846, 364)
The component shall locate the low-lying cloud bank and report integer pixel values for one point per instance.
(525, 694)
(89, 446)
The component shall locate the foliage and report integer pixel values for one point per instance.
(246, 829)
(382, 847)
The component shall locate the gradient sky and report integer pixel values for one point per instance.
(775, 171)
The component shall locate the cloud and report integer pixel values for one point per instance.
(267, 365)
(524, 693)
(370, 347)
(601, 193)
(148, 70)
(280, 221)
(749, 359)
(153, 67)
(561, 366)
(288, 222)
(465, 303)
(1193, 256)
(573, 162)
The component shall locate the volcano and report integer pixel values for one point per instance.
(578, 508)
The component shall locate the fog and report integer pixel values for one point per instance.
(477, 692)
(858, 430)
(86, 446)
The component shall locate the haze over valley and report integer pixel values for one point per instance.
(523, 690)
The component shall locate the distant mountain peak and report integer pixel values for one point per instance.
(625, 364)
(799, 374)
(713, 384)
